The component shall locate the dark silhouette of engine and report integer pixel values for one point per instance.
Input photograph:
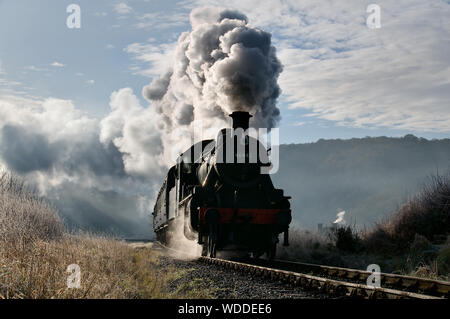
(218, 193)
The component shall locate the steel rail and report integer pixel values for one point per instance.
(310, 282)
(326, 285)
(427, 286)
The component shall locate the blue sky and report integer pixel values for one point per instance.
(98, 59)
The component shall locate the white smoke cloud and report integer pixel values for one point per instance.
(223, 65)
(340, 218)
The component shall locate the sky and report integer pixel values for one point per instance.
(341, 79)
(74, 119)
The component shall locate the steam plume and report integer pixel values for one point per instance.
(340, 218)
(222, 65)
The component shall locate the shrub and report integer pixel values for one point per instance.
(346, 239)
(443, 259)
(427, 214)
(24, 217)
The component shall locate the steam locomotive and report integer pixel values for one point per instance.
(219, 196)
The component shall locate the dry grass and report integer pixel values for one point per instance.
(417, 232)
(24, 217)
(108, 270)
(427, 214)
(35, 252)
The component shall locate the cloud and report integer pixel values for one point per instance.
(162, 20)
(6, 84)
(90, 82)
(57, 64)
(34, 68)
(393, 77)
(158, 58)
(122, 8)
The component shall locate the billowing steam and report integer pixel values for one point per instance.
(222, 65)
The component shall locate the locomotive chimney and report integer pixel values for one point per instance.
(240, 119)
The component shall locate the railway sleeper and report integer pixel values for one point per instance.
(352, 274)
(410, 283)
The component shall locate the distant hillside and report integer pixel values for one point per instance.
(369, 178)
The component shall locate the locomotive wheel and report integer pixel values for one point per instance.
(212, 246)
(272, 252)
(255, 254)
(272, 247)
(209, 248)
(212, 219)
(205, 248)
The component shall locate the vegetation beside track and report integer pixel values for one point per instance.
(415, 241)
(35, 251)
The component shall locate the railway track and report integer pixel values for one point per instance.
(332, 287)
(436, 288)
(334, 281)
